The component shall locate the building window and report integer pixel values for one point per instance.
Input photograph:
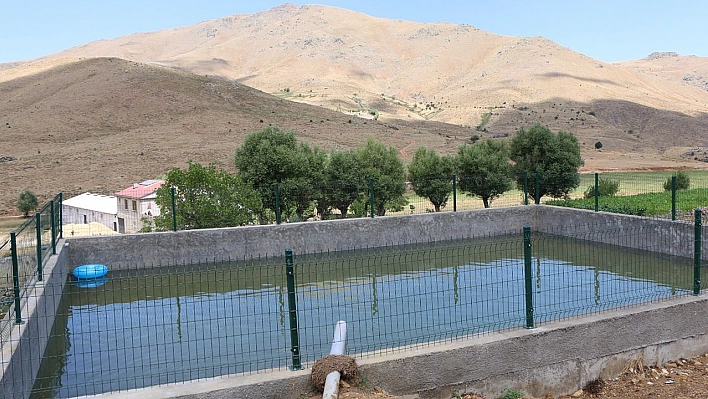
(126, 205)
(135, 205)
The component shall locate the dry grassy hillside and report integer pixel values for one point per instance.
(351, 62)
(102, 124)
(689, 70)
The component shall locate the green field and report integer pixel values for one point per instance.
(642, 193)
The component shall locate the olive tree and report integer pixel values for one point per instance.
(430, 175)
(484, 169)
(345, 180)
(384, 166)
(27, 202)
(271, 156)
(555, 156)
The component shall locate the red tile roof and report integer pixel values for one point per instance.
(140, 190)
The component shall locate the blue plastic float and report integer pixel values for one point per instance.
(90, 276)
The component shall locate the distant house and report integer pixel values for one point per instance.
(135, 203)
(91, 208)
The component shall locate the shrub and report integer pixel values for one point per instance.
(598, 145)
(683, 182)
(605, 188)
(27, 202)
(509, 393)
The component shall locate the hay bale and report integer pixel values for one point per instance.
(346, 366)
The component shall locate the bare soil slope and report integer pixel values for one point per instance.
(100, 125)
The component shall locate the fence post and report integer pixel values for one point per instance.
(673, 197)
(526, 187)
(60, 219)
(38, 225)
(454, 193)
(174, 209)
(597, 192)
(528, 277)
(697, 253)
(54, 234)
(536, 196)
(15, 277)
(371, 196)
(292, 309)
(277, 203)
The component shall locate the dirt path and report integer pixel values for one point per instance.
(679, 379)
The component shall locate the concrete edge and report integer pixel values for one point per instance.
(403, 370)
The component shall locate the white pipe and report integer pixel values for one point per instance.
(331, 389)
(339, 342)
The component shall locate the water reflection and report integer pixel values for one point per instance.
(175, 324)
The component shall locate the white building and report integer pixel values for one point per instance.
(135, 203)
(87, 208)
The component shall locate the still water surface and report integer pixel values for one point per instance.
(164, 325)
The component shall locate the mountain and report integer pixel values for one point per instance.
(106, 114)
(348, 61)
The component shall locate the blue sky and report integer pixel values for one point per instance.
(608, 30)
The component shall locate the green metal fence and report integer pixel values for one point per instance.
(22, 258)
(650, 194)
(637, 193)
(159, 324)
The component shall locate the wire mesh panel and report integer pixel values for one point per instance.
(578, 275)
(6, 288)
(397, 296)
(651, 194)
(394, 297)
(168, 324)
(26, 244)
(162, 325)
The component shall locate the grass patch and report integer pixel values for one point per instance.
(485, 120)
(7, 224)
(647, 204)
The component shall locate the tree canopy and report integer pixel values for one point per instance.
(272, 155)
(431, 176)
(384, 166)
(206, 198)
(484, 169)
(556, 157)
(27, 202)
(345, 181)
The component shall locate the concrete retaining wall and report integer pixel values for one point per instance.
(557, 358)
(23, 351)
(127, 251)
(185, 247)
(655, 235)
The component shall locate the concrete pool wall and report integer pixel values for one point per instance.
(555, 357)
(185, 247)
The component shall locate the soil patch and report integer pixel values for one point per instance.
(678, 379)
(346, 366)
